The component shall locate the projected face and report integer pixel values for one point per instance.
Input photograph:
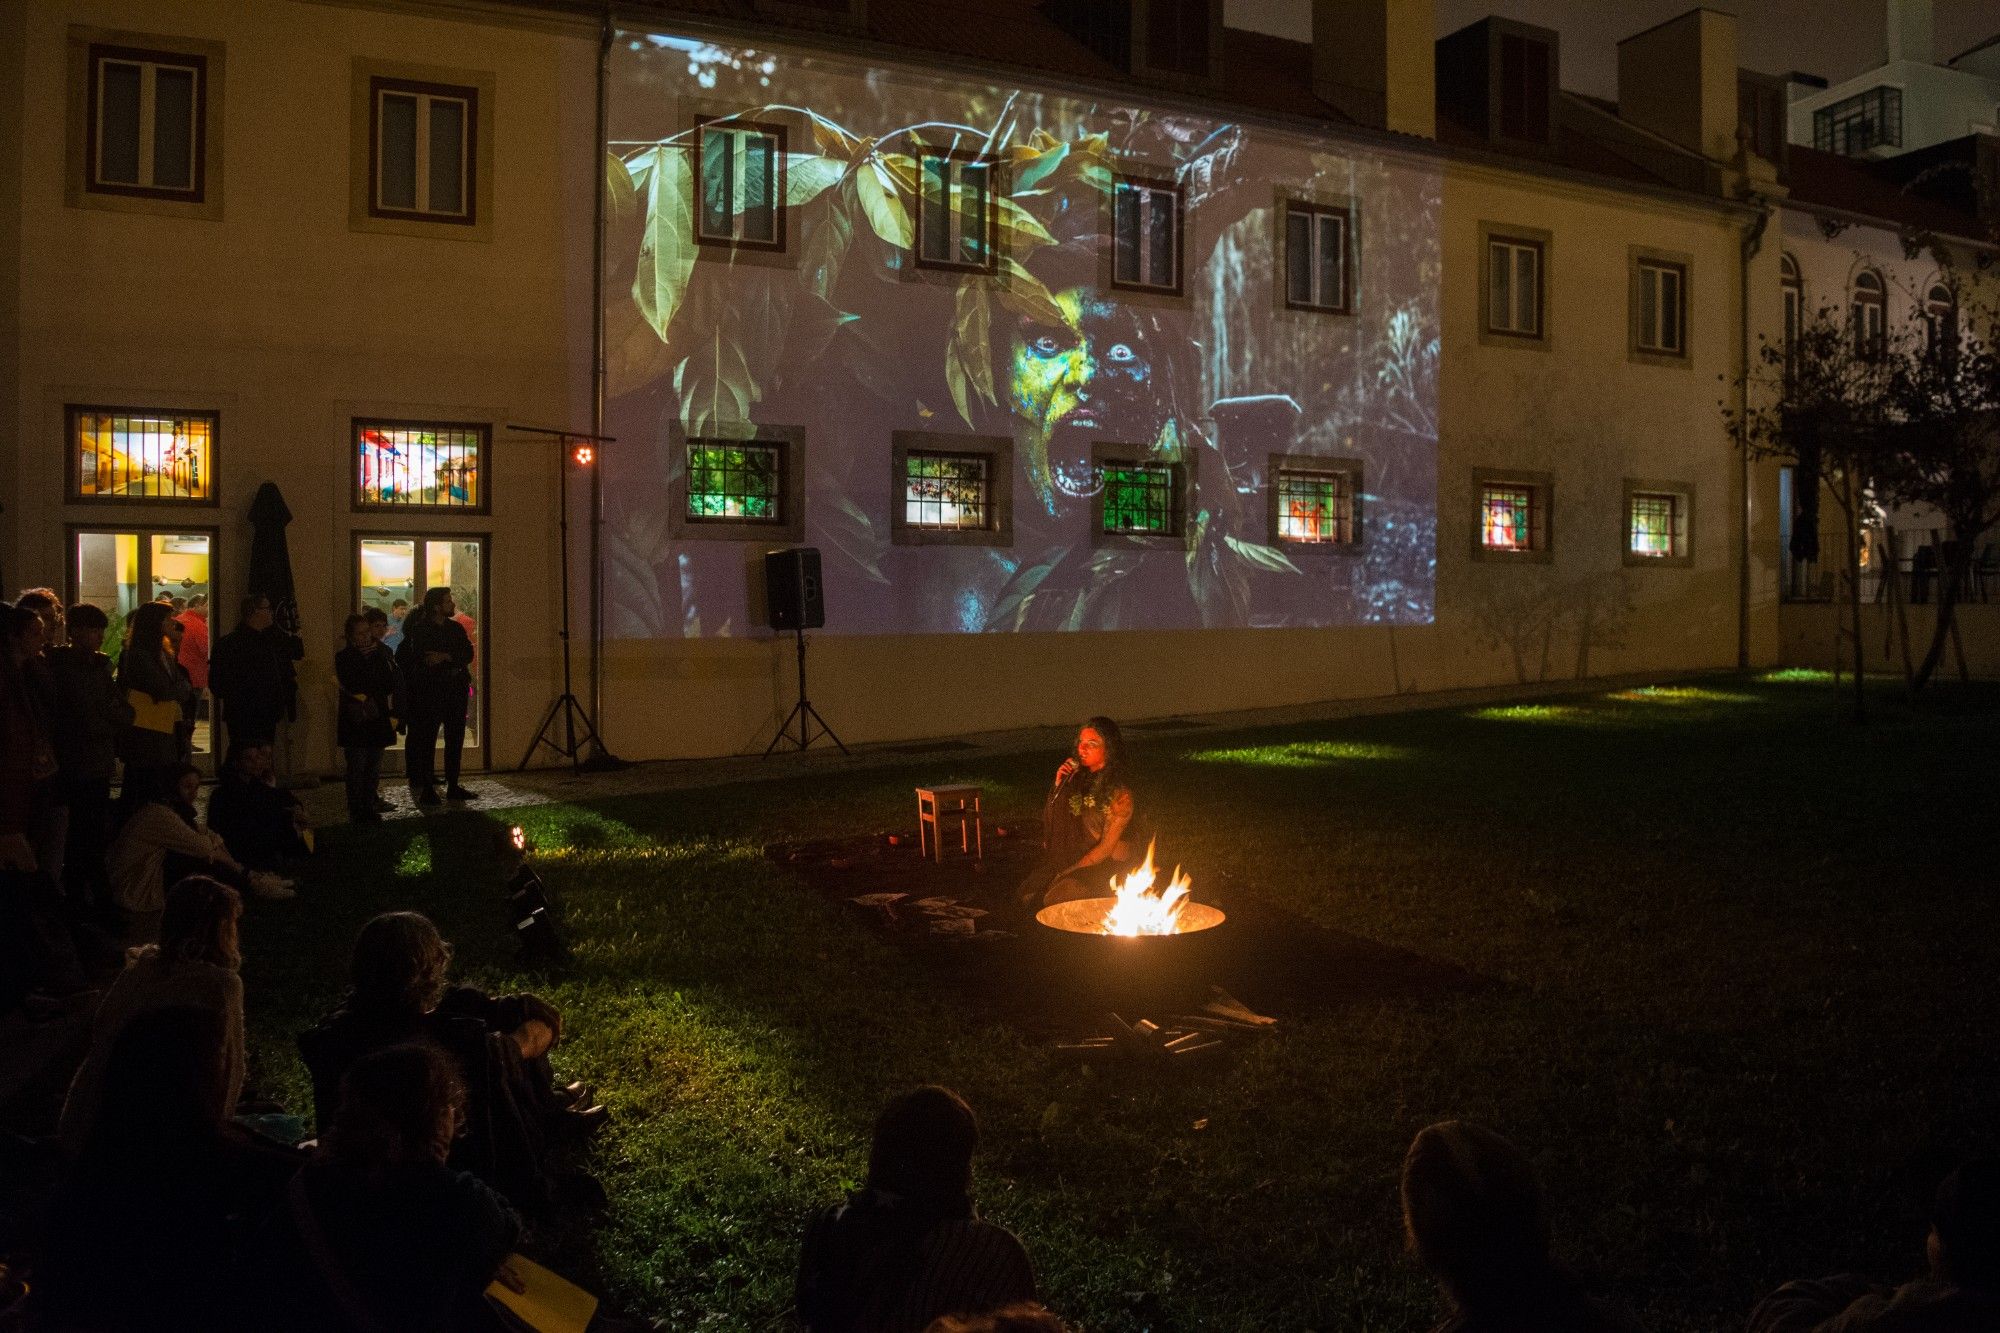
(1093, 373)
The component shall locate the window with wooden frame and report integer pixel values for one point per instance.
(1659, 523)
(1319, 262)
(1511, 515)
(421, 465)
(1146, 225)
(146, 117)
(1514, 278)
(1659, 310)
(739, 169)
(1140, 499)
(951, 490)
(736, 481)
(138, 454)
(423, 151)
(955, 214)
(1867, 315)
(1315, 501)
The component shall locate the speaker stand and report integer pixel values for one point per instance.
(802, 712)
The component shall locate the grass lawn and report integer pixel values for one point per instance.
(1740, 1005)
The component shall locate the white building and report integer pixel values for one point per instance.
(1909, 101)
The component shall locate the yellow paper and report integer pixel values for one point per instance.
(152, 714)
(551, 1304)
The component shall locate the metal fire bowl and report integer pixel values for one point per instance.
(1144, 973)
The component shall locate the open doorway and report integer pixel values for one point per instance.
(393, 571)
(119, 569)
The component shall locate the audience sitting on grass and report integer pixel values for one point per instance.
(1959, 1292)
(149, 1230)
(500, 1046)
(193, 966)
(160, 843)
(1473, 1215)
(378, 1232)
(265, 826)
(908, 1247)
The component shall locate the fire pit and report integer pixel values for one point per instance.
(1137, 946)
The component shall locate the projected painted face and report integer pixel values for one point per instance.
(1094, 372)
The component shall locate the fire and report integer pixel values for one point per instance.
(1138, 910)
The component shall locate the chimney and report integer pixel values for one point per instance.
(1373, 61)
(1679, 81)
(1910, 32)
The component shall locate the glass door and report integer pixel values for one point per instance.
(118, 571)
(394, 571)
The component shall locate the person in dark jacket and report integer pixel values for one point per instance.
(436, 658)
(908, 1248)
(251, 675)
(1960, 1291)
(264, 825)
(93, 712)
(370, 689)
(156, 685)
(378, 1232)
(500, 1046)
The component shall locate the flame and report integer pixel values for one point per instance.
(1138, 910)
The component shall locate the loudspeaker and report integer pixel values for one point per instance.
(793, 598)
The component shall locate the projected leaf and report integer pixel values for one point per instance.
(886, 213)
(1025, 295)
(667, 249)
(807, 177)
(1264, 557)
(968, 358)
(826, 245)
(715, 385)
(621, 196)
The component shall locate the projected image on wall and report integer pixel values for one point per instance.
(1013, 362)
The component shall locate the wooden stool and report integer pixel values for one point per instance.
(958, 801)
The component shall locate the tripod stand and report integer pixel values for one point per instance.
(803, 710)
(577, 728)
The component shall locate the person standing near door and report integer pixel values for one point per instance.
(250, 673)
(369, 688)
(436, 658)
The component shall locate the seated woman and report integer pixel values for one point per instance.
(1088, 833)
(194, 965)
(263, 823)
(377, 1232)
(150, 1230)
(909, 1248)
(161, 844)
(499, 1045)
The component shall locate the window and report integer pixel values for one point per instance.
(1511, 512)
(1660, 312)
(1652, 526)
(1146, 236)
(147, 114)
(955, 215)
(946, 492)
(740, 481)
(122, 453)
(1941, 323)
(420, 465)
(1525, 76)
(1794, 291)
(739, 185)
(423, 144)
(1177, 36)
(1318, 264)
(1866, 315)
(1514, 287)
(1760, 115)
(950, 490)
(1873, 119)
(1140, 499)
(1313, 502)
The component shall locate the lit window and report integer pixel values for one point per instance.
(947, 492)
(1662, 312)
(1315, 506)
(121, 454)
(1141, 499)
(420, 465)
(1316, 257)
(422, 147)
(955, 215)
(1146, 234)
(1508, 517)
(738, 185)
(147, 112)
(1514, 287)
(1653, 527)
(1867, 315)
(735, 481)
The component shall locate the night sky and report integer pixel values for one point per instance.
(1834, 38)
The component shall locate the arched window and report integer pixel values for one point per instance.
(1941, 322)
(1867, 315)
(1795, 301)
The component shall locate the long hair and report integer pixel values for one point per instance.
(433, 604)
(398, 1107)
(1114, 742)
(399, 964)
(148, 627)
(199, 923)
(1474, 1216)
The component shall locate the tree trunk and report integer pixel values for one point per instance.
(1951, 578)
(1854, 591)
(1892, 566)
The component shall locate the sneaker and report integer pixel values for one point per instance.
(457, 793)
(270, 887)
(425, 796)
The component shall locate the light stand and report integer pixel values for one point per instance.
(578, 730)
(802, 711)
